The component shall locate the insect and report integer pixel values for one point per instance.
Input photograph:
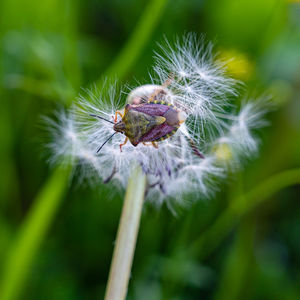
(148, 117)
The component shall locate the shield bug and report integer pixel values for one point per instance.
(148, 117)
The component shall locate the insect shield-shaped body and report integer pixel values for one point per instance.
(148, 116)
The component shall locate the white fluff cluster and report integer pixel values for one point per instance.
(194, 82)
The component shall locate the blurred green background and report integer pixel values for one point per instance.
(57, 235)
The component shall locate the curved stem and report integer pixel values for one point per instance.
(243, 205)
(137, 41)
(240, 207)
(39, 218)
(126, 238)
(238, 261)
(31, 234)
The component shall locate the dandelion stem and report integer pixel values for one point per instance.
(126, 237)
(31, 234)
(39, 219)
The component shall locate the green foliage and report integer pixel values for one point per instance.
(56, 235)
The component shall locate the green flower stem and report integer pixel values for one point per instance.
(31, 234)
(137, 41)
(238, 262)
(39, 219)
(243, 205)
(126, 237)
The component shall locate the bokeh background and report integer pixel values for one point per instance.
(57, 234)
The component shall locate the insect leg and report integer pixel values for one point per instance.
(169, 80)
(165, 84)
(145, 144)
(121, 145)
(154, 145)
(152, 96)
(195, 148)
(116, 116)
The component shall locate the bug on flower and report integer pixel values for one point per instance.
(149, 117)
(187, 102)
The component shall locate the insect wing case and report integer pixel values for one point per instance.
(138, 124)
(161, 130)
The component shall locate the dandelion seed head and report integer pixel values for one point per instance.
(208, 138)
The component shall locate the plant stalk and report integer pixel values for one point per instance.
(126, 237)
(31, 234)
(216, 233)
(137, 41)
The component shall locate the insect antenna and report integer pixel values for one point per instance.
(106, 142)
(99, 117)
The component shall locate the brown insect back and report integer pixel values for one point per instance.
(138, 124)
(148, 117)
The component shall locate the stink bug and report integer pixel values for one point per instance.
(148, 117)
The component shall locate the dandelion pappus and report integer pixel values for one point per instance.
(190, 77)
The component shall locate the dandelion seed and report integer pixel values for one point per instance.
(180, 127)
